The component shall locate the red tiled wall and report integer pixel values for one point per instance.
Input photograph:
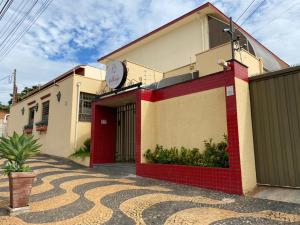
(222, 179)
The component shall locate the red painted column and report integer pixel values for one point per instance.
(104, 126)
(237, 71)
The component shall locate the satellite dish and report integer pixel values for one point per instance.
(116, 74)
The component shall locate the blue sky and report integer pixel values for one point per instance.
(79, 32)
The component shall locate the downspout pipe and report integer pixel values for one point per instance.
(78, 84)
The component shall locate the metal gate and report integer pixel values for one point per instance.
(125, 149)
(275, 106)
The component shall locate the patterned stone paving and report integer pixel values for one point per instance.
(65, 193)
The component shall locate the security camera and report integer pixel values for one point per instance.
(226, 30)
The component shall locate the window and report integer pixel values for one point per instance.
(85, 106)
(31, 116)
(45, 112)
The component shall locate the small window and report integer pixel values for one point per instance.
(31, 116)
(85, 106)
(45, 112)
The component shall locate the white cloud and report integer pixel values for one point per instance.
(68, 28)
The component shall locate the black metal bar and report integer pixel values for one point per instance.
(137, 85)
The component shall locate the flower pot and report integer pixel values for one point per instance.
(28, 131)
(20, 184)
(41, 128)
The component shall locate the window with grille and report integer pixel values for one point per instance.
(31, 116)
(45, 112)
(85, 106)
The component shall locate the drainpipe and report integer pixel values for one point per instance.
(77, 114)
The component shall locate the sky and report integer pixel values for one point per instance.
(70, 32)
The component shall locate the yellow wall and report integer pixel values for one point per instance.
(184, 121)
(173, 49)
(182, 70)
(245, 135)
(59, 139)
(139, 73)
(206, 62)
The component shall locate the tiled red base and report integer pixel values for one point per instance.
(211, 178)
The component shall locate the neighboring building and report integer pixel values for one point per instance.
(59, 112)
(3, 122)
(192, 99)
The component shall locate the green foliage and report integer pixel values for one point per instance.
(23, 94)
(41, 123)
(83, 151)
(17, 149)
(4, 107)
(28, 126)
(214, 155)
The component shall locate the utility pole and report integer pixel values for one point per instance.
(231, 27)
(15, 89)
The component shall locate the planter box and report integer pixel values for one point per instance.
(28, 131)
(20, 184)
(41, 128)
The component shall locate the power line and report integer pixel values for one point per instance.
(14, 30)
(276, 17)
(245, 10)
(5, 8)
(252, 13)
(25, 30)
(5, 77)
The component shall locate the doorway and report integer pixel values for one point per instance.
(125, 143)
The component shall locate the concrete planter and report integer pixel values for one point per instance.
(20, 184)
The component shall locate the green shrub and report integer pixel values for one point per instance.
(83, 151)
(214, 155)
(17, 149)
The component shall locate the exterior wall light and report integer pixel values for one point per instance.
(22, 111)
(58, 96)
(36, 107)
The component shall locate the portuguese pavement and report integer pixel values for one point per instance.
(65, 193)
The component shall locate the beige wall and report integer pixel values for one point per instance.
(173, 49)
(245, 135)
(206, 62)
(94, 73)
(60, 136)
(182, 70)
(87, 85)
(184, 121)
(139, 73)
(56, 140)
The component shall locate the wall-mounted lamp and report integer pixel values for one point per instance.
(36, 107)
(58, 96)
(22, 111)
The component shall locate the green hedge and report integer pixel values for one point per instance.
(214, 155)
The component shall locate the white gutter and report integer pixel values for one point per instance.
(77, 114)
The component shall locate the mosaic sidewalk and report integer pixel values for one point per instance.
(65, 193)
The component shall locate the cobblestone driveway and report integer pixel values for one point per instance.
(65, 193)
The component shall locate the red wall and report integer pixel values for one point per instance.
(103, 135)
(222, 179)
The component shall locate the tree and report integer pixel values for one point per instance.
(3, 107)
(22, 95)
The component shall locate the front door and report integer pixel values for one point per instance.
(125, 146)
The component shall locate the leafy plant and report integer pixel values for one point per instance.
(28, 126)
(214, 155)
(17, 149)
(41, 123)
(83, 151)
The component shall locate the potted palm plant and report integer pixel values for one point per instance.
(17, 149)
